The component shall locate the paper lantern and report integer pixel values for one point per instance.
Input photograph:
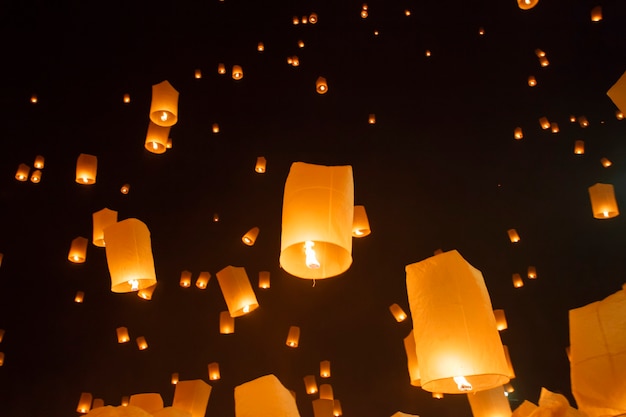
(129, 256)
(122, 335)
(214, 371)
(532, 81)
(513, 235)
(371, 119)
(437, 395)
(397, 312)
(304, 20)
(310, 384)
(518, 282)
(364, 13)
(34, 99)
(260, 165)
(237, 72)
(300, 43)
(97, 403)
(540, 53)
(500, 317)
(579, 147)
(192, 396)
(323, 408)
(142, 344)
(572, 118)
(185, 279)
(337, 411)
(518, 134)
(197, 74)
(203, 280)
(532, 272)
(598, 355)
(411, 360)
(596, 14)
(326, 392)
(22, 172)
(237, 291)
(582, 121)
(39, 162)
(126, 98)
(1, 335)
(227, 323)
(264, 397)
(543, 61)
(216, 217)
(325, 369)
(489, 403)
(508, 388)
(457, 343)
(527, 4)
(35, 176)
(544, 123)
(86, 169)
(125, 401)
(260, 47)
(250, 237)
(295, 61)
(295, 20)
(293, 337)
(174, 378)
(313, 18)
(101, 220)
(481, 31)
(78, 250)
(509, 363)
(84, 403)
(360, 222)
(215, 128)
(1, 358)
(321, 86)
(619, 115)
(554, 127)
(221, 69)
(606, 162)
(150, 402)
(146, 293)
(164, 105)
(617, 93)
(603, 203)
(427, 53)
(157, 138)
(125, 189)
(264, 279)
(318, 213)
(79, 297)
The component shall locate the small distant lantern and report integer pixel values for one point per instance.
(295, 20)
(518, 133)
(237, 72)
(543, 61)
(1, 358)
(583, 122)
(157, 138)
(606, 162)
(407, 13)
(260, 165)
(78, 250)
(603, 203)
(397, 312)
(141, 343)
(572, 118)
(310, 384)
(527, 4)
(326, 392)
(544, 123)
(427, 53)
(203, 280)
(86, 169)
(364, 6)
(295, 61)
(216, 217)
(125, 189)
(35, 177)
(79, 297)
(39, 162)
(101, 220)
(619, 115)
(321, 86)
(221, 69)
(237, 291)
(337, 411)
(300, 43)
(215, 128)
(22, 172)
(192, 397)
(437, 395)
(501, 323)
(293, 337)
(596, 14)
(146, 293)
(508, 388)
(197, 74)
(164, 105)
(227, 323)
(125, 401)
(1, 335)
(126, 98)
(554, 127)
(34, 99)
(579, 147)
(325, 369)
(481, 31)
(174, 378)
(371, 119)
(214, 371)
(490, 402)
(264, 279)
(411, 360)
(250, 237)
(122, 335)
(360, 222)
(185, 279)
(513, 235)
(260, 47)
(313, 18)
(364, 14)
(84, 403)
(518, 282)
(532, 81)
(532, 272)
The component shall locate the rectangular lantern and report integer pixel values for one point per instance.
(86, 169)
(126, 98)
(325, 369)
(337, 411)
(101, 220)
(185, 279)
(264, 397)
(174, 378)
(579, 147)
(321, 85)
(513, 235)
(35, 177)
(606, 162)
(326, 392)
(310, 384)
(221, 69)
(157, 138)
(237, 72)
(215, 128)
(397, 312)
(203, 280)
(227, 323)
(164, 104)
(84, 403)
(79, 297)
(146, 293)
(532, 272)
(260, 165)
(214, 371)
(39, 162)
(360, 222)
(596, 14)
(490, 403)
(582, 121)
(500, 317)
(293, 337)
(518, 133)
(532, 82)
(554, 127)
(264, 279)
(371, 119)
(78, 250)
(192, 396)
(603, 203)
(237, 291)
(142, 344)
(122, 335)
(197, 74)
(544, 123)
(411, 360)
(518, 282)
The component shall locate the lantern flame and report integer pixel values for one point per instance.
(134, 285)
(164, 116)
(246, 309)
(311, 259)
(462, 383)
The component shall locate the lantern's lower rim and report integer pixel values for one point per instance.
(479, 383)
(124, 286)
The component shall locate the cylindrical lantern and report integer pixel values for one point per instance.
(337, 411)
(532, 272)
(606, 162)
(126, 98)
(619, 115)
(35, 176)
(360, 222)
(544, 123)
(237, 72)
(325, 369)
(237, 290)
(295, 20)
(518, 133)
(489, 403)
(500, 317)
(84, 403)
(411, 360)
(86, 169)
(164, 105)
(78, 250)
(397, 312)
(221, 68)
(260, 47)
(513, 235)
(508, 388)
(457, 344)
(250, 237)
(22, 172)
(554, 127)
(293, 337)
(227, 323)
(203, 280)
(579, 147)
(214, 371)
(318, 213)
(264, 397)
(543, 61)
(582, 121)
(321, 86)
(300, 43)
(157, 138)
(313, 18)
(527, 4)
(197, 74)
(125, 401)
(264, 279)
(310, 384)
(141, 343)
(129, 256)
(518, 282)
(146, 293)
(39, 162)
(216, 217)
(215, 128)
(122, 335)
(79, 297)
(532, 81)
(509, 363)
(34, 99)
(326, 392)
(125, 189)
(371, 119)
(101, 220)
(175, 378)
(603, 203)
(185, 279)
(260, 165)
(596, 14)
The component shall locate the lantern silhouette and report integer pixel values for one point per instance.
(149, 402)
(142, 344)
(326, 392)
(146, 293)
(323, 407)
(237, 72)
(86, 169)
(293, 337)
(174, 378)
(411, 360)
(318, 213)
(397, 312)
(321, 86)
(129, 256)
(250, 237)
(122, 335)
(237, 291)
(489, 403)
(513, 235)
(518, 282)
(263, 397)
(185, 279)
(260, 165)
(214, 371)
(518, 134)
(125, 189)
(35, 176)
(310, 384)
(192, 396)
(617, 93)
(360, 222)
(78, 250)
(603, 203)
(527, 4)
(606, 162)
(101, 220)
(126, 98)
(215, 128)
(532, 81)
(22, 172)
(84, 403)
(227, 323)
(325, 369)
(544, 123)
(596, 14)
(39, 162)
(203, 280)
(79, 297)
(264, 279)
(457, 344)
(500, 317)
(157, 138)
(532, 272)
(164, 105)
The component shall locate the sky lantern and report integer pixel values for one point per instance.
(192, 396)
(125, 401)
(500, 317)
(304, 20)
(185, 279)
(437, 395)
(237, 72)
(527, 4)
(227, 323)
(221, 68)
(146, 293)
(215, 128)
(157, 138)
(263, 397)
(35, 177)
(606, 162)
(596, 14)
(572, 118)
(360, 222)
(544, 123)
(101, 220)
(237, 290)
(300, 43)
(532, 272)
(84, 403)
(174, 378)
(22, 172)
(126, 98)
(129, 256)
(79, 297)
(1, 335)
(214, 371)
(397, 312)
(619, 115)
(260, 47)
(326, 392)
(34, 99)
(518, 133)
(489, 403)
(317, 219)
(39, 162)
(337, 411)
(249, 238)
(532, 81)
(125, 189)
(164, 105)
(554, 127)
(513, 235)
(617, 93)
(203, 280)
(325, 369)
(1, 358)
(142, 344)
(543, 61)
(313, 18)
(293, 337)
(458, 346)
(321, 86)
(264, 279)
(583, 122)
(323, 407)
(579, 147)
(197, 74)
(122, 335)
(518, 282)
(310, 384)
(295, 20)
(371, 119)
(78, 250)
(260, 165)
(603, 203)
(411, 360)
(86, 169)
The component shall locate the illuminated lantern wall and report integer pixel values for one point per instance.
(78, 250)
(84, 403)
(237, 291)
(263, 397)
(164, 105)
(122, 335)
(617, 93)
(411, 359)
(192, 396)
(310, 384)
(227, 323)
(490, 403)
(101, 220)
(325, 369)
(603, 203)
(360, 223)
(326, 392)
(293, 337)
(157, 138)
(86, 169)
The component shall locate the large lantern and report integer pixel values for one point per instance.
(457, 344)
(318, 211)
(164, 105)
(86, 169)
(101, 220)
(157, 138)
(237, 290)
(264, 396)
(84, 403)
(192, 396)
(293, 337)
(227, 323)
(603, 203)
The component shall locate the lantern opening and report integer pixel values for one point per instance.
(134, 284)
(462, 383)
(311, 259)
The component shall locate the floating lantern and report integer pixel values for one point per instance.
(619, 115)
(360, 222)
(260, 47)
(101, 220)
(34, 99)
(295, 20)
(606, 162)
(35, 176)
(263, 397)
(185, 279)
(1, 358)
(86, 169)
(554, 127)
(371, 119)
(582, 121)
(215, 128)
(509, 364)
(174, 379)
(84, 403)
(364, 14)
(437, 395)
(142, 344)
(293, 337)
(517, 280)
(572, 118)
(78, 250)
(318, 213)
(532, 81)
(323, 407)
(129, 256)
(125, 401)
(397, 312)
(540, 53)
(411, 360)
(310, 385)
(192, 396)
(543, 61)
(203, 280)
(125, 189)
(22, 172)
(157, 138)
(544, 123)
(321, 86)
(313, 18)
(596, 14)
(237, 72)
(489, 403)
(457, 343)
(149, 402)
(508, 388)
(237, 291)
(325, 369)
(227, 323)
(603, 203)
(216, 217)
(197, 74)
(164, 105)
(532, 272)
(579, 147)
(79, 297)
(501, 323)
(304, 20)
(126, 98)
(39, 162)
(513, 235)
(221, 69)
(146, 293)
(337, 411)
(427, 53)
(264, 279)
(1, 335)
(295, 61)
(300, 44)
(97, 403)
(260, 165)
(527, 4)
(326, 392)
(122, 335)
(250, 237)
(214, 371)
(518, 134)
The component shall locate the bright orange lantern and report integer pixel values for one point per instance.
(146, 293)
(532, 81)
(321, 86)
(260, 47)
(122, 335)
(603, 203)
(39, 162)
(22, 172)
(164, 105)
(397, 312)
(84, 403)
(79, 297)
(78, 250)
(527, 4)
(86, 169)
(518, 282)
(214, 371)
(141, 343)
(293, 337)
(174, 378)
(125, 189)
(237, 72)
(250, 237)
(337, 411)
(101, 220)
(215, 128)
(157, 138)
(237, 291)
(221, 69)
(606, 162)
(310, 384)
(371, 119)
(579, 147)
(501, 323)
(35, 176)
(596, 14)
(126, 98)
(197, 74)
(513, 235)
(544, 123)
(554, 127)
(227, 323)
(264, 279)
(583, 122)
(518, 134)
(360, 222)
(532, 272)
(185, 279)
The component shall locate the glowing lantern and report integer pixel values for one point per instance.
(554, 127)
(337, 411)
(129, 256)
(397, 312)
(101, 220)
(157, 138)
(532, 272)
(203, 280)
(323, 407)
(125, 401)
(532, 81)
(34, 99)
(304, 20)
(185, 279)
(125, 189)
(364, 6)
(149, 402)
(215, 128)
(582, 121)
(1, 258)
(596, 14)
(508, 388)
(1, 358)
(619, 115)
(371, 119)
(1, 335)
(141, 343)
(237, 290)
(360, 222)
(543, 61)
(606, 162)
(146, 293)
(518, 134)
(513, 235)
(318, 213)
(174, 379)
(489, 403)
(22, 172)
(481, 31)
(237, 72)
(293, 337)
(250, 237)
(295, 61)
(164, 105)
(579, 147)
(260, 165)
(227, 323)
(603, 203)
(326, 392)
(544, 123)
(300, 44)
(39, 162)
(126, 98)
(517, 281)
(572, 118)
(509, 364)
(264, 279)
(84, 403)
(263, 397)
(260, 47)
(216, 217)
(437, 395)
(540, 53)
(321, 86)
(427, 53)
(364, 14)
(527, 4)
(192, 396)
(214, 371)
(197, 74)
(122, 335)
(78, 250)
(501, 323)
(411, 360)
(86, 169)
(79, 297)
(456, 340)
(313, 18)
(221, 69)
(35, 176)
(295, 20)
(325, 369)
(310, 385)
(97, 403)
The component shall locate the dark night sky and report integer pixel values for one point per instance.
(439, 169)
